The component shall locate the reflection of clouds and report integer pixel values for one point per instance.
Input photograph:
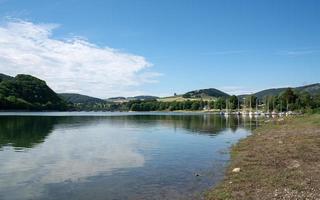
(69, 155)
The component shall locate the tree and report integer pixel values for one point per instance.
(195, 105)
(233, 102)
(304, 100)
(187, 105)
(288, 98)
(220, 103)
(135, 107)
(250, 101)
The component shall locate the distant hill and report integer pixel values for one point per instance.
(4, 77)
(211, 92)
(28, 92)
(124, 99)
(117, 99)
(79, 98)
(143, 98)
(313, 89)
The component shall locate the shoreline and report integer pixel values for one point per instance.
(280, 160)
(218, 112)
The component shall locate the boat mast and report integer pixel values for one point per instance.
(244, 105)
(273, 103)
(227, 105)
(238, 105)
(250, 104)
(268, 104)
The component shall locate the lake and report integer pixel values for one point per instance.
(115, 156)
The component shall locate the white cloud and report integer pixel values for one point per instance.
(236, 90)
(71, 65)
(99, 150)
(300, 52)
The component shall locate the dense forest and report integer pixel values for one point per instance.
(25, 92)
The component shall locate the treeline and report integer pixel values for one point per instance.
(143, 105)
(155, 105)
(289, 100)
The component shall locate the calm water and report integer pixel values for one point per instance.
(114, 155)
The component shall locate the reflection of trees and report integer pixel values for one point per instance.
(28, 131)
(206, 123)
(24, 131)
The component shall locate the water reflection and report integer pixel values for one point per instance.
(69, 153)
(27, 131)
(24, 131)
(118, 157)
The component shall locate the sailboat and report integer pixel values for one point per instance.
(281, 113)
(227, 110)
(257, 112)
(244, 112)
(250, 113)
(238, 112)
(267, 106)
(221, 112)
(273, 108)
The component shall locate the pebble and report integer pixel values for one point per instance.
(236, 170)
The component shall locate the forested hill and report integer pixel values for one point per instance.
(25, 92)
(211, 92)
(312, 89)
(4, 77)
(79, 98)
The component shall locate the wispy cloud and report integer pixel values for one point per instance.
(229, 52)
(70, 65)
(298, 52)
(236, 90)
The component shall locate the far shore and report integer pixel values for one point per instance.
(217, 112)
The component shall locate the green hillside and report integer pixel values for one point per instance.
(79, 98)
(203, 93)
(142, 98)
(313, 89)
(25, 92)
(4, 77)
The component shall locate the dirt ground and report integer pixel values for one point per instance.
(281, 160)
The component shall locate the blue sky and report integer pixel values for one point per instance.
(236, 46)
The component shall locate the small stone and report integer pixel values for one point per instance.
(236, 170)
(294, 164)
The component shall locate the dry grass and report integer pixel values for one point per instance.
(280, 160)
